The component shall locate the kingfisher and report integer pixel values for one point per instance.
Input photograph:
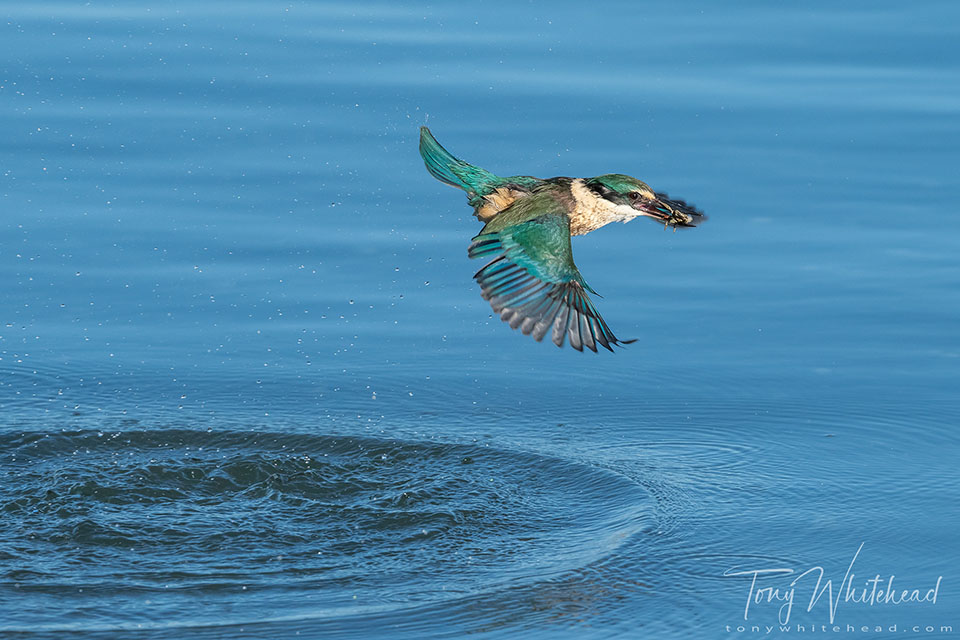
(531, 279)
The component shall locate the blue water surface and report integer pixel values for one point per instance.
(248, 388)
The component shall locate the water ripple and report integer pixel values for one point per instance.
(262, 526)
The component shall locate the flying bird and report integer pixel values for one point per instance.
(532, 281)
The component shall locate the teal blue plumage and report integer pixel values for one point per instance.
(534, 284)
(531, 279)
(477, 182)
(443, 166)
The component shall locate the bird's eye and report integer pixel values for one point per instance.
(634, 195)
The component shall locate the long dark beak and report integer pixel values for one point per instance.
(674, 213)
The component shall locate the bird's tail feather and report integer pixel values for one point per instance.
(445, 167)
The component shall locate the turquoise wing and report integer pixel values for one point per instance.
(534, 284)
(477, 182)
(447, 168)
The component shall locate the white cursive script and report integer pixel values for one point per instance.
(875, 590)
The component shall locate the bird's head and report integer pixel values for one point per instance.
(632, 197)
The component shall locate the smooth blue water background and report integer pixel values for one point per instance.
(215, 227)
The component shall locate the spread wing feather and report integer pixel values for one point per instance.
(533, 284)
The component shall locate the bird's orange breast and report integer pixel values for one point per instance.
(496, 202)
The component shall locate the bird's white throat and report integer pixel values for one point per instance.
(592, 211)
